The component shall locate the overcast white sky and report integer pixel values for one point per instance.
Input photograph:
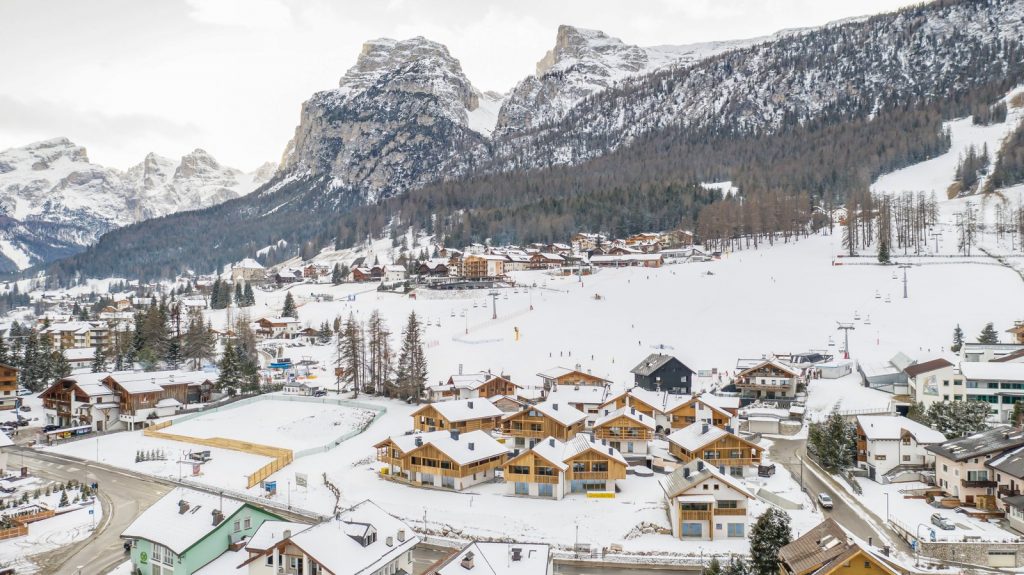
(126, 77)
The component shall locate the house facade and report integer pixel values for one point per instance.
(660, 372)
(705, 504)
(79, 400)
(960, 464)
(934, 381)
(716, 446)
(553, 468)
(768, 379)
(444, 459)
(559, 376)
(547, 419)
(458, 414)
(8, 386)
(626, 430)
(888, 442)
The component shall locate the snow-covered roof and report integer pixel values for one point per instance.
(271, 532)
(993, 371)
(394, 268)
(164, 523)
(695, 472)
(629, 412)
(333, 545)
(281, 320)
(248, 263)
(464, 409)
(472, 380)
(152, 381)
(79, 353)
(884, 427)
(561, 412)
(694, 436)
(498, 559)
(90, 383)
(469, 447)
(168, 402)
(603, 258)
(5, 441)
(776, 363)
(583, 394)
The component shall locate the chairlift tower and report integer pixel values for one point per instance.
(904, 267)
(846, 327)
(494, 303)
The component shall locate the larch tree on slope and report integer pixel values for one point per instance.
(350, 354)
(379, 355)
(411, 375)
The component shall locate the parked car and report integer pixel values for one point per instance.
(7, 428)
(319, 393)
(942, 523)
(825, 501)
(26, 408)
(51, 427)
(24, 391)
(23, 422)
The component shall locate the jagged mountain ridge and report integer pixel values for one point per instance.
(835, 73)
(54, 201)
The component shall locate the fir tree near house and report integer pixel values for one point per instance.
(289, 309)
(832, 441)
(336, 276)
(958, 418)
(988, 334)
(230, 370)
(411, 374)
(99, 360)
(958, 339)
(770, 533)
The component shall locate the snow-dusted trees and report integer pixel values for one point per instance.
(988, 334)
(289, 309)
(379, 355)
(958, 339)
(770, 533)
(411, 374)
(832, 441)
(958, 418)
(350, 354)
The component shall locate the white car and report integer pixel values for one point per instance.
(825, 501)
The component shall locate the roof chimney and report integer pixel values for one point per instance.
(455, 434)
(686, 472)
(287, 534)
(418, 441)
(471, 446)
(460, 369)
(182, 507)
(700, 465)
(469, 404)
(218, 516)
(517, 553)
(551, 441)
(401, 535)
(467, 560)
(390, 541)
(554, 406)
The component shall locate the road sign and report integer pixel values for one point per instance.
(91, 511)
(300, 479)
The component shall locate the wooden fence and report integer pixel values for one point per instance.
(281, 457)
(21, 522)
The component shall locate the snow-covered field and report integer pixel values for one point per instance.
(49, 534)
(288, 424)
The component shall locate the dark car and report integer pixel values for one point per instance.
(49, 428)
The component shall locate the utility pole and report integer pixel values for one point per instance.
(846, 327)
(904, 267)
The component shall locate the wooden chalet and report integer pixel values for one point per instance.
(470, 385)
(8, 386)
(769, 379)
(553, 468)
(444, 459)
(698, 408)
(643, 401)
(827, 549)
(717, 446)
(706, 504)
(547, 419)
(1017, 331)
(564, 376)
(508, 403)
(626, 430)
(458, 414)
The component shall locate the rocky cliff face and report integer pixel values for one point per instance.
(398, 119)
(54, 201)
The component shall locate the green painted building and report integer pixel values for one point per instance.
(187, 529)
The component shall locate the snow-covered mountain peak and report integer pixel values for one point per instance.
(591, 47)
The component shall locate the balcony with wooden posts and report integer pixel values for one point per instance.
(980, 483)
(730, 511)
(529, 478)
(638, 433)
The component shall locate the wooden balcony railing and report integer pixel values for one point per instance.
(720, 511)
(978, 483)
(695, 515)
(590, 475)
(530, 478)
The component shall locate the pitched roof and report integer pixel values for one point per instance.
(773, 362)
(686, 476)
(1010, 356)
(651, 364)
(583, 394)
(821, 546)
(630, 412)
(272, 532)
(694, 436)
(483, 445)
(883, 427)
(464, 409)
(561, 412)
(162, 523)
(1011, 463)
(998, 438)
(333, 545)
(932, 365)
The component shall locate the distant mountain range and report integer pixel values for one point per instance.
(54, 201)
(405, 118)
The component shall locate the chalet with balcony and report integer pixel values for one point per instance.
(444, 459)
(586, 398)
(891, 443)
(278, 327)
(433, 268)
(960, 464)
(717, 446)
(545, 261)
(649, 403)
(144, 396)
(626, 429)
(79, 400)
(1009, 477)
(8, 386)
(78, 334)
(706, 504)
(661, 372)
(768, 379)
(458, 414)
(702, 407)
(553, 468)
(547, 419)
(470, 385)
(559, 376)
(479, 266)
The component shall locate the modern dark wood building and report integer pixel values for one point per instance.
(660, 372)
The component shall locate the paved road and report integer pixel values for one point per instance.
(786, 451)
(123, 497)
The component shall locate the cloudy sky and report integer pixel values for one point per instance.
(126, 77)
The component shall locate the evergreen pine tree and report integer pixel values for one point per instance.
(289, 309)
(988, 334)
(958, 339)
(63, 498)
(883, 252)
(336, 277)
(5, 352)
(215, 294)
(713, 567)
(99, 360)
(769, 534)
(248, 297)
(239, 297)
(350, 354)
(230, 370)
(411, 374)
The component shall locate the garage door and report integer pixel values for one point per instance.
(1001, 558)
